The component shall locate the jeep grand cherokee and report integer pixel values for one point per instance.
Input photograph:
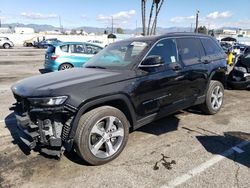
(127, 85)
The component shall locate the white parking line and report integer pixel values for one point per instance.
(238, 150)
(197, 170)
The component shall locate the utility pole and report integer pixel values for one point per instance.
(60, 24)
(191, 28)
(197, 21)
(136, 27)
(112, 24)
(0, 23)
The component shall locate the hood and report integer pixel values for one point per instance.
(52, 84)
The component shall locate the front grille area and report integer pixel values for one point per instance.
(46, 129)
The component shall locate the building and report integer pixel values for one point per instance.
(5, 30)
(24, 30)
(225, 32)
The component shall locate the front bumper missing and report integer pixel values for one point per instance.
(45, 130)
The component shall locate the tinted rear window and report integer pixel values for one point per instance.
(211, 47)
(51, 49)
(190, 50)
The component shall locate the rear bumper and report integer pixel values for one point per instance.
(50, 66)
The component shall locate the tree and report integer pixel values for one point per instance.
(150, 16)
(73, 32)
(119, 30)
(81, 31)
(157, 11)
(143, 16)
(156, 5)
(202, 29)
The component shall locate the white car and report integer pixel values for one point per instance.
(6, 43)
(97, 42)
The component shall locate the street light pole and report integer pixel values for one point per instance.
(197, 21)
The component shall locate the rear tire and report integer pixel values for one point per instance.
(214, 98)
(101, 135)
(6, 46)
(65, 66)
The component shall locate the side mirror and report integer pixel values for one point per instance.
(152, 61)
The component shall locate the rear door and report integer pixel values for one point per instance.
(78, 53)
(191, 53)
(215, 56)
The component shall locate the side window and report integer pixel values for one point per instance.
(210, 46)
(166, 49)
(91, 49)
(77, 48)
(65, 48)
(190, 50)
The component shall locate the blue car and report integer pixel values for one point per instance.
(45, 43)
(67, 55)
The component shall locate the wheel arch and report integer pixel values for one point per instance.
(119, 101)
(6, 43)
(218, 75)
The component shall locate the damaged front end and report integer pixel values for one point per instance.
(44, 123)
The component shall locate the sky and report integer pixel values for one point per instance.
(126, 14)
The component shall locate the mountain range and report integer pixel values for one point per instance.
(100, 30)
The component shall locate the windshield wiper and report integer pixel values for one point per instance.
(95, 67)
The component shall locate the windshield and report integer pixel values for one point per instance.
(117, 55)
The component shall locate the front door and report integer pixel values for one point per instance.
(160, 87)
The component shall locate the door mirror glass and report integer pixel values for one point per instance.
(152, 61)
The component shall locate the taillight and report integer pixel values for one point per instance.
(54, 57)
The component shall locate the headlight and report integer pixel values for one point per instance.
(241, 69)
(48, 101)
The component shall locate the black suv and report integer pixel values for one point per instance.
(127, 85)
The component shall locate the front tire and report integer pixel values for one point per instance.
(6, 46)
(101, 135)
(214, 98)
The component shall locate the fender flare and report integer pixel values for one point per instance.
(94, 102)
(215, 72)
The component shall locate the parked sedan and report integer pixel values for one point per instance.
(6, 43)
(61, 56)
(46, 43)
(239, 78)
(32, 41)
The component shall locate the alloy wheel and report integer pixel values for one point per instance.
(217, 98)
(65, 66)
(106, 137)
